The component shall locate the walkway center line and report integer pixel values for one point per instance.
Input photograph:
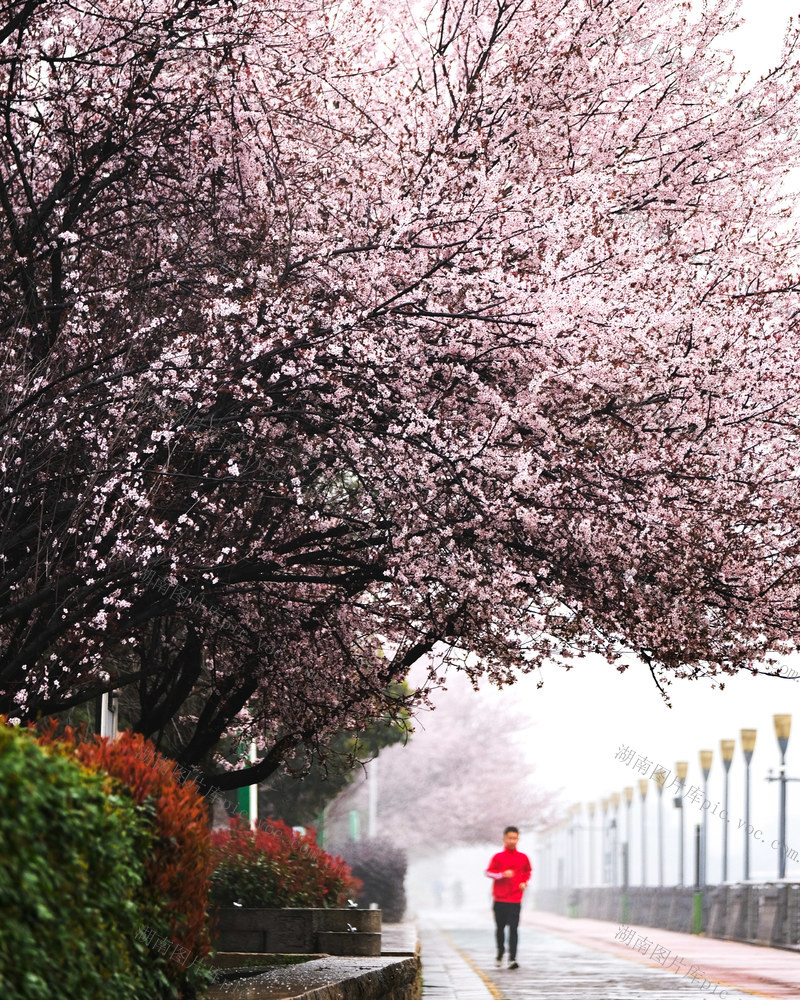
(488, 983)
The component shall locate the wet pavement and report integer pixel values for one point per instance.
(399, 942)
(295, 980)
(458, 964)
(560, 959)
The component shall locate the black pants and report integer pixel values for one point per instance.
(506, 915)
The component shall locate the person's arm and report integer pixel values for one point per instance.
(492, 871)
(526, 873)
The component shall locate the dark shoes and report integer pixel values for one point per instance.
(512, 963)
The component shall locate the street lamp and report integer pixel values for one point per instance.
(748, 746)
(627, 856)
(643, 783)
(783, 726)
(705, 766)
(592, 808)
(606, 874)
(576, 818)
(615, 797)
(727, 748)
(681, 770)
(660, 778)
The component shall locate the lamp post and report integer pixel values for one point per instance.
(606, 873)
(568, 843)
(107, 715)
(628, 804)
(615, 797)
(643, 783)
(575, 844)
(681, 770)
(748, 746)
(726, 747)
(372, 791)
(783, 726)
(626, 857)
(705, 766)
(592, 808)
(660, 778)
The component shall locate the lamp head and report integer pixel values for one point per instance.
(615, 797)
(727, 748)
(682, 769)
(748, 743)
(643, 783)
(660, 778)
(705, 762)
(629, 794)
(783, 726)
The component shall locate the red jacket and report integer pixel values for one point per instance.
(507, 890)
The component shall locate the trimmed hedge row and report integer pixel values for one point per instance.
(71, 875)
(272, 867)
(101, 856)
(106, 862)
(179, 865)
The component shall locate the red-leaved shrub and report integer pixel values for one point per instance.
(180, 868)
(272, 866)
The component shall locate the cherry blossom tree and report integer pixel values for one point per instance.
(468, 771)
(339, 335)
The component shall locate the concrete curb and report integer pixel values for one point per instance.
(388, 977)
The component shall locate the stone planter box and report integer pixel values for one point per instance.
(298, 931)
(349, 943)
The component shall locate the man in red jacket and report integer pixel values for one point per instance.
(511, 872)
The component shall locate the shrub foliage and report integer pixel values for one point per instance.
(72, 872)
(381, 867)
(274, 867)
(178, 863)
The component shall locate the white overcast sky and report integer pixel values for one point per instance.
(579, 719)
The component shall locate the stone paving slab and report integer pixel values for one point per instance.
(760, 971)
(552, 968)
(458, 964)
(447, 974)
(399, 939)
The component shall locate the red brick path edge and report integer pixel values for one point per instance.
(765, 972)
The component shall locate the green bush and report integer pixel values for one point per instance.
(381, 867)
(178, 865)
(72, 854)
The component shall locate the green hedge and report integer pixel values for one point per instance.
(72, 856)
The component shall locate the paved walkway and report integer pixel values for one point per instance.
(448, 973)
(399, 939)
(768, 972)
(565, 959)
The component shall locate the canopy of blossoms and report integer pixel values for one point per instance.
(338, 335)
